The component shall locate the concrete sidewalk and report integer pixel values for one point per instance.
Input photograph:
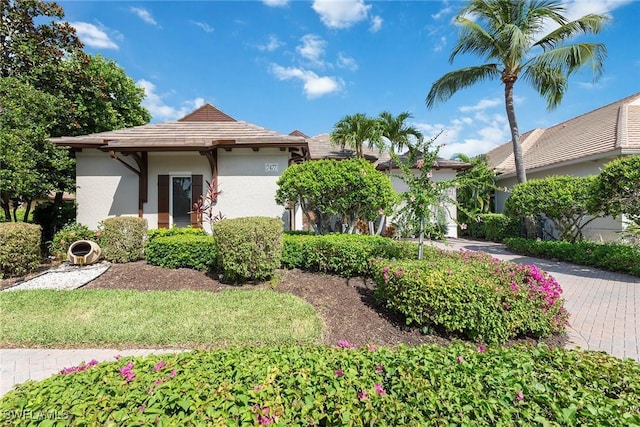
(604, 309)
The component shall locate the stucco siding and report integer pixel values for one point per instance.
(248, 179)
(104, 188)
(600, 229)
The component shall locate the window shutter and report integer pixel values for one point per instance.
(163, 201)
(196, 192)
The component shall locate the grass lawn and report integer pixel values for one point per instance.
(47, 318)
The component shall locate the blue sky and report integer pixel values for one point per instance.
(303, 65)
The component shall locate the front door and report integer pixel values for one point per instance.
(181, 203)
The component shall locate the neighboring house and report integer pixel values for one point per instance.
(157, 171)
(444, 170)
(579, 147)
(320, 147)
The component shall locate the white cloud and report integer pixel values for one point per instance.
(600, 84)
(482, 105)
(144, 14)
(446, 10)
(205, 27)
(470, 136)
(159, 110)
(341, 14)
(347, 62)
(437, 47)
(376, 24)
(579, 8)
(315, 86)
(273, 44)
(93, 36)
(275, 3)
(312, 48)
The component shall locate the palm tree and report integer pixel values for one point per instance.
(509, 35)
(353, 130)
(396, 131)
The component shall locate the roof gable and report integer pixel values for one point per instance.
(207, 113)
(612, 129)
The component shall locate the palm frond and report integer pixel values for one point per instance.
(588, 24)
(450, 83)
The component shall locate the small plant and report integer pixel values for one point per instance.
(69, 234)
(249, 249)
(19, 248)
(194, 251)
(122, 238)
(203, 208)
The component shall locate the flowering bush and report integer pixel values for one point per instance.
(472, 294)
(457, 384)
(69, 234)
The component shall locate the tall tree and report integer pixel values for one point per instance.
(354, 130)
(509, 35)
(396, 131)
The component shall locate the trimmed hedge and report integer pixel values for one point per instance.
(608, 256)
(494, 227)
(122, 238)
(175, 231)
(182, 251)
(19, 248)
(343, 254)
(249, 249)
(315, 385)
(472, 294)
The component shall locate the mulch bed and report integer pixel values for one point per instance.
(346, 306)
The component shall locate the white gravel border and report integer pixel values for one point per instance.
(66, 277)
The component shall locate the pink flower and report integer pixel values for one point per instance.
(481, 348)
(345, 344)
(420, 163)
(159, 365)
(433, 185)
(520, 395)
(127, 372)
(338, 372)
(142, 408)
(398, 273)
(379, 368)
(460, 359)
(173, 373)
(258, 388)
(372, 347)
(430, 175)
(362, 395)
(380, 390)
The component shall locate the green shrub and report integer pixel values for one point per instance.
(608, 256)
(344, 254)
(494, 227)
(122, 238)
(175, 231)
(69, 234)
(315, 385)
(249, 249)
(472, 294)
(182, 251)
(19, 248)
(53, 218)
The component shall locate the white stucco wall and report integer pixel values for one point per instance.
(451, 213)
(248, 188)
(104, 188)
(600, 229)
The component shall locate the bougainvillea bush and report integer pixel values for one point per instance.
(458, 384)
(472, 294)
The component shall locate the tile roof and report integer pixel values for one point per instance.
(320, 147)
(441, 163)
(614, 128)
(204, 128)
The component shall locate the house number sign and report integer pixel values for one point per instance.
(271, 167)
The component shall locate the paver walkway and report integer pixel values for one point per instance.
(604, 309)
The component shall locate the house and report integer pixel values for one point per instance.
(443, 170)
(320, 147)
(157, 171)
(579, 146)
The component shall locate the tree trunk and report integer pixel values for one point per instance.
(521, 173)
(27, 211)
(421, 240)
